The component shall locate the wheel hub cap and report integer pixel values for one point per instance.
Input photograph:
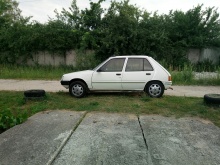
(77, 90)
(155, 90)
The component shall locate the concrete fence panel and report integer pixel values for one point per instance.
(69, 58)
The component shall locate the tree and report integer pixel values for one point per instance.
(195, 28)
(9, 12)
(119, 30)
(12, 31)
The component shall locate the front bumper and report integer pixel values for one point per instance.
(65, 84)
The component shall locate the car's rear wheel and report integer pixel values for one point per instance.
(78, 89)
(155, 89)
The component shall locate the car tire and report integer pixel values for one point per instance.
(155, 89)
(34, 93)
(78, 89)
(212, 98)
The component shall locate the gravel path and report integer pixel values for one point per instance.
(55, 86)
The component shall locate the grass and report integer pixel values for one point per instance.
(33, 72)
(183, 78)
(186, 77)
(112, 103)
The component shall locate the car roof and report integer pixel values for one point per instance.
(131, 56)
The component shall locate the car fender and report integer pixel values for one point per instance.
(85, 76)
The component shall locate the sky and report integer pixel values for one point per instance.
(41, 10)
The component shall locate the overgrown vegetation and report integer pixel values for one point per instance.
(182, 76)
(123, 28)
(33, 72)
(14, 104)
(8, 120)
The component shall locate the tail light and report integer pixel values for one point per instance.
(169, 78)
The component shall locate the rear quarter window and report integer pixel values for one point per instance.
(138, 64)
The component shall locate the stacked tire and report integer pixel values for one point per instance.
(212, 99)
(34, 93)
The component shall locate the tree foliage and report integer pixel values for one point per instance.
(121, 29)
(9, 12)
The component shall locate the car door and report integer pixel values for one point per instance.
(137, 73)
(108, 76)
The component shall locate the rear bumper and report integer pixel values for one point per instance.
(167, 84)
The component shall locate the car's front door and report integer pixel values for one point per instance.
(108, 76)
(138, 71)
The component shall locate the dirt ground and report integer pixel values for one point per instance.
(55, 86)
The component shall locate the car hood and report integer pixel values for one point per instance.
(79, 74)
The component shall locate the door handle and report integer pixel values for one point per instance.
(148, 73)
(118, 74)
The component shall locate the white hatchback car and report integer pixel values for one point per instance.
(120, 73)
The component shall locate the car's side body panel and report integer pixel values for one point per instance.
(106, 81)
(135, 80)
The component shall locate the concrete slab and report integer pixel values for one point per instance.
(182, 141)
(104, 138)
(37, 140)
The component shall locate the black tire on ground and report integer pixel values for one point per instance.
(34, 93)
(155, 89)
(78, 89)
(212, 98)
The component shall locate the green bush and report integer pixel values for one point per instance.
(86, 60)
(8, 120)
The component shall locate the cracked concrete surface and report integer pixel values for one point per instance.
(68, 137)
(181, 141)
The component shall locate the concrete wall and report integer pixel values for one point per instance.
(46, 58)
(197, 55)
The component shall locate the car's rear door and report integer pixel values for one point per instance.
(137, 72)
(108, 76)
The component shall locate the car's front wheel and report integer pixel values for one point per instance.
(155, 89)
(78, 89)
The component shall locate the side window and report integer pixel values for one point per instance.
(114, 65)
(147, 66)
(138, 64)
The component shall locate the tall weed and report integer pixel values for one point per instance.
(183, 77)
(187, 73)
(205, 66)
